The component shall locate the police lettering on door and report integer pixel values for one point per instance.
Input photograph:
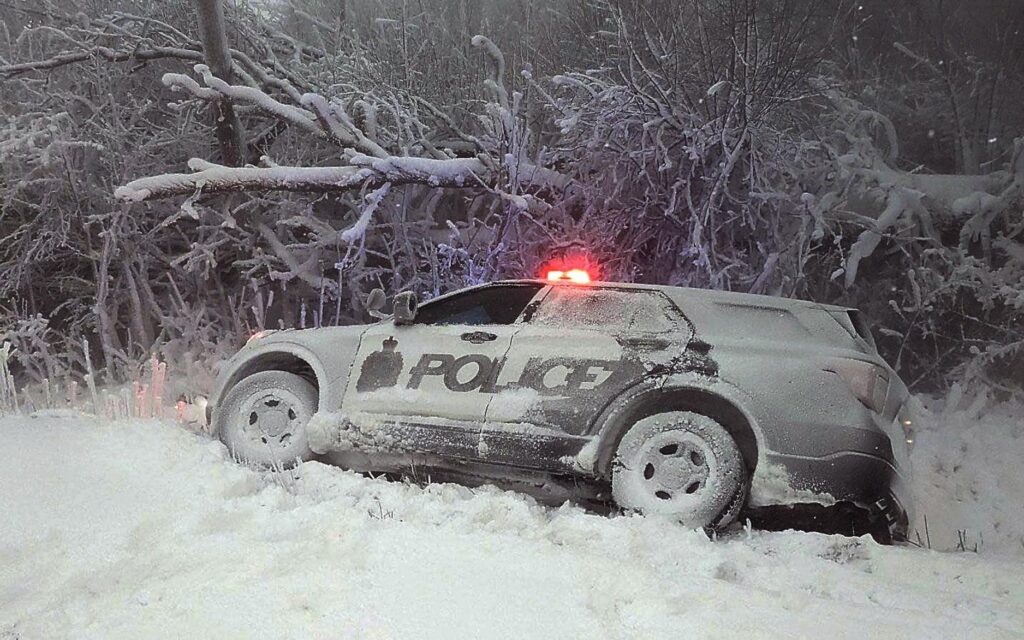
(477, 372)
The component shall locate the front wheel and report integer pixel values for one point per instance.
(683, 465)
(263, 418)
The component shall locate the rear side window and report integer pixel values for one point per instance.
(770, 323)
(860, 323)
(616, 310)
(798, 324)
(489, 305)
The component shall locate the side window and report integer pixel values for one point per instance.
(615, 310)
(488, 305)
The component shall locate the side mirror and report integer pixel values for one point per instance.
(375, 302)
(405, 308)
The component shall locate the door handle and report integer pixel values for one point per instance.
(479, 337)
(644, 342)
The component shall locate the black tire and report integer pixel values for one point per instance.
(682, 465)
(263, 418)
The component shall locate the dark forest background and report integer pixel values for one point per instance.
(862, 153)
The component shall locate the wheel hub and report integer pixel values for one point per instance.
(271, 418)
(671, 467)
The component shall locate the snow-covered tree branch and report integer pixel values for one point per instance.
(369, 164)
(363, 172)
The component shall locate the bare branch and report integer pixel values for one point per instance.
(105, 53)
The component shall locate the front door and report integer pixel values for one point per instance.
(438, 369)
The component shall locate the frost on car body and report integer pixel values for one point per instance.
(535, 384)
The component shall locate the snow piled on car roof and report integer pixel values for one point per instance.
(144, 530)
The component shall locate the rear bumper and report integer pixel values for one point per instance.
(882, 521)
(855, 481)
(856, 459)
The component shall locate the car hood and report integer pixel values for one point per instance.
(313, 339)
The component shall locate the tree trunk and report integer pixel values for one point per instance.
(230, 134)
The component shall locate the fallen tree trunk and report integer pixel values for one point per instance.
(363, 172)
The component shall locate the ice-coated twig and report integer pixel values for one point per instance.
(358, 230)
(99, 52)
(496, 83)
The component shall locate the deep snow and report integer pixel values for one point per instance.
(144, 530)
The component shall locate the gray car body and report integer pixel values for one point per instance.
(767, 368)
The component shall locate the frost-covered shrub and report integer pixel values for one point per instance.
(934, 260)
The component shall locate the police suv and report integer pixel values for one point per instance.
(694, 404)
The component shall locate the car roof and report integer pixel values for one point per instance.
(684, 293)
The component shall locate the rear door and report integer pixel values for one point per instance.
(582, 347)
(438, 368)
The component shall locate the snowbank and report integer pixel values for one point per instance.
(143, 530)
(969, 479)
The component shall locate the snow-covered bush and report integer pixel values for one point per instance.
(934, 260)
(686, 165)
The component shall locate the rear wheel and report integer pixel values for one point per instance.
(683, 465)
(263, 418)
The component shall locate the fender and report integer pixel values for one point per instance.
(241, 365)
(678, 392)
(329, 352)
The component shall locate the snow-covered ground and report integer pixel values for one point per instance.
(144, 530)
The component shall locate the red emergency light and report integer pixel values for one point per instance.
(579, 276)
(575, 269)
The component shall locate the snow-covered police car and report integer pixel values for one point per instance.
(689, 403)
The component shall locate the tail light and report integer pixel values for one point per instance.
(868, 382)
